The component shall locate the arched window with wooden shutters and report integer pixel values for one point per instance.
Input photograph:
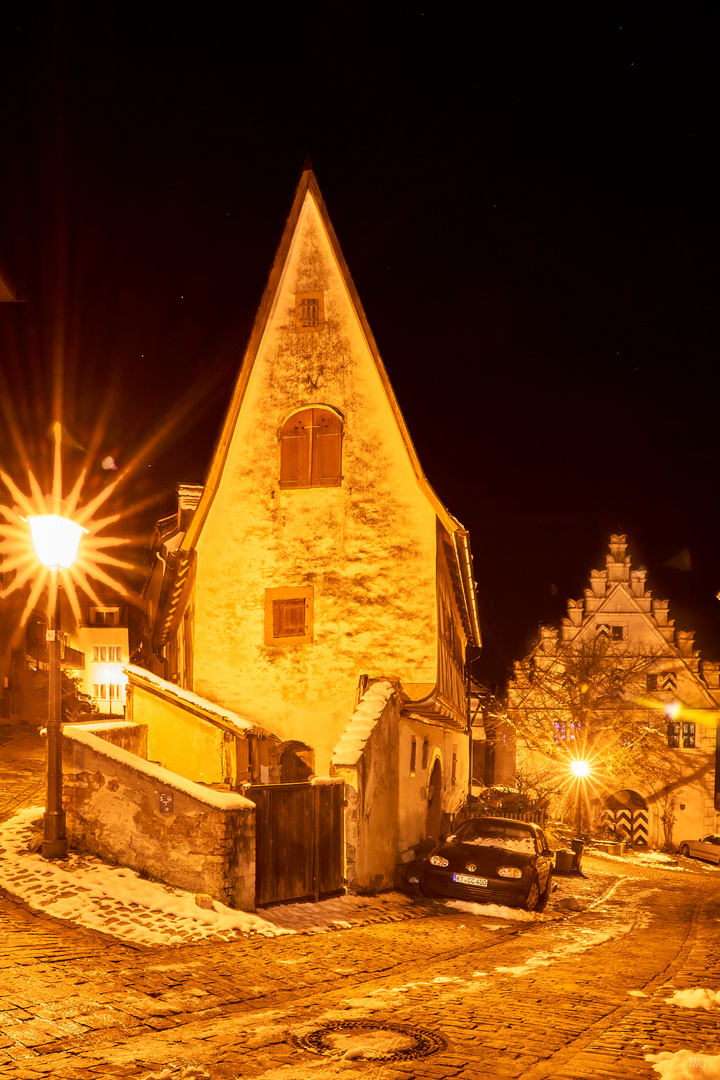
(311, 449)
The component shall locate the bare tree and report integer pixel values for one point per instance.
(588, 700)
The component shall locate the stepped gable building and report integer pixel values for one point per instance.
(645, 681)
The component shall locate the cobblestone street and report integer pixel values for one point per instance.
(576, 993)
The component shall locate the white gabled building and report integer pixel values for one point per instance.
(646, 714)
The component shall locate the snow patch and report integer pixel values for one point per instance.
(695, 999)
(546, 959)
(685, 1065)
(495, 911)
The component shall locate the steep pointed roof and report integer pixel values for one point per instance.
(308, 189)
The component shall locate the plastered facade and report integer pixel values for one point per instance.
(367, 547)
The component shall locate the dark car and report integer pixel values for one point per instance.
(491, 860)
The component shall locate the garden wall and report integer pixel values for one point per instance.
(136, 813)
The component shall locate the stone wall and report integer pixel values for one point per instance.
(371, 816)
(133, 812)
(122, 733)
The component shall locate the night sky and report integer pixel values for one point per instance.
(525, 195)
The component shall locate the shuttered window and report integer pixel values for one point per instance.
(311, 449)
(289, 616)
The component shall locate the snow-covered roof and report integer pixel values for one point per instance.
(209, 710)
(221, 800)
(361, 724)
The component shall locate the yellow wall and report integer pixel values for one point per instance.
(368, 547)
(180, 740)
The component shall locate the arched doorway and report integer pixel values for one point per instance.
(434, 797)
(297, 763)
(626, 813)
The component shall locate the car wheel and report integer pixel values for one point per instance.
(533, 896)
(545, 894)
(685, 850)
(425, 891)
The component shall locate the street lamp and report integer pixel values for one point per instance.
(581, 769)
(56, 542)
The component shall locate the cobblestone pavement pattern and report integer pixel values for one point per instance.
(580, 994)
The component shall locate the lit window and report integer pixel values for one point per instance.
(688, 736)
(103, 691)
(96, 691)
(309, 312)
(103, 653)
(673, 734)
(289, 616)
(111, 688)
(311, 449)
(95, 653)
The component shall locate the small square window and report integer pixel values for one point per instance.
(289, 616)
(309, 311)
(651, 683)
(617, 633)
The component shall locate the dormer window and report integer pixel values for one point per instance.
(104, 616)
(311, 449)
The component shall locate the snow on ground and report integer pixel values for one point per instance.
(638, 860)
(115, 900)
(496, 911)
(695, 999)
(685, 1065)
(585, 939)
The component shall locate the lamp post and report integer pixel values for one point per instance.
(56, 542)
(581, 769)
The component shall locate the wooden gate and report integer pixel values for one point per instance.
(298, 841)
(626, 814)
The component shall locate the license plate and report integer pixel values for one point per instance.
(467, 879)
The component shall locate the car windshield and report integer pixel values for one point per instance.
(482, 832)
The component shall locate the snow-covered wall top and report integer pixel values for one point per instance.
(209, 709)
(360, 726)
(222, 800)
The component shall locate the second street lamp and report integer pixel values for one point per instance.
(56, 542)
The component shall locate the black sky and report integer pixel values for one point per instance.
(525, 195)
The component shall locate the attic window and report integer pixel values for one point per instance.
(289, 616)
(311, 449)
(309, 312)
(104, 616)
(651, 683)
(612, 633)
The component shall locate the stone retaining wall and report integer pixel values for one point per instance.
(133, 812)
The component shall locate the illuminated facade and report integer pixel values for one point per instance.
(317, 554)
(620, 685)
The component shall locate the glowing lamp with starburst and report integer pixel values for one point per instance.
(55, 539)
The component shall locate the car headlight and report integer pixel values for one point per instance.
(437, 860)
(509, 871)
